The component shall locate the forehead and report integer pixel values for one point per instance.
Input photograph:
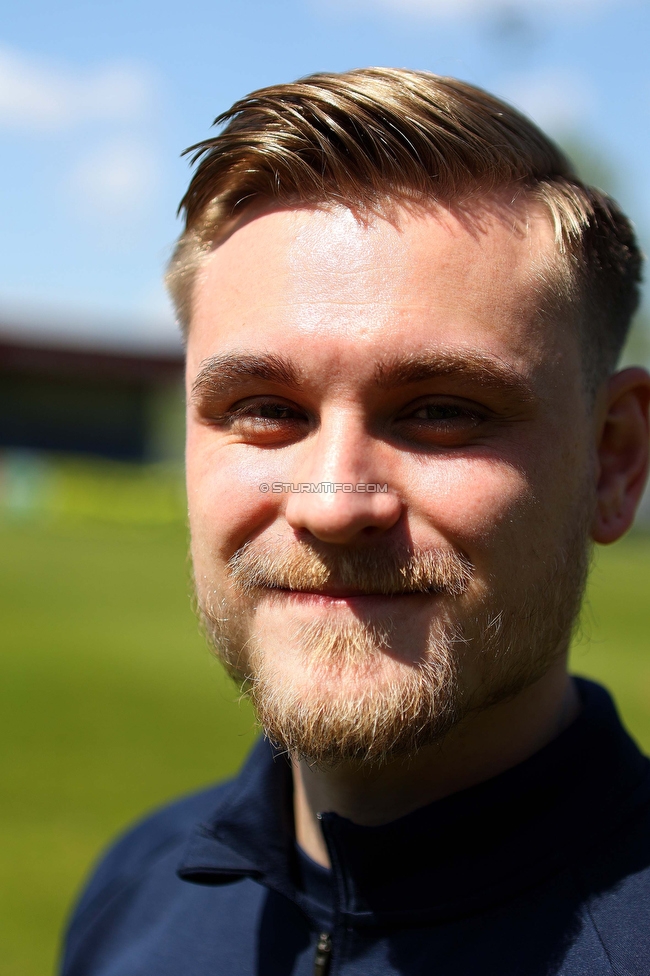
(422, 278)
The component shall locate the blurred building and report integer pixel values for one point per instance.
(120, 404)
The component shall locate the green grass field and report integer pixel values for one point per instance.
(110, 703)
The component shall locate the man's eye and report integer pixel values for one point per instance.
(443, 424)
(436, 411)
(261, 418)
(444, 413)
(269, 411)
(256, 411)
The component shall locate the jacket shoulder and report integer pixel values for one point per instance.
(146, 841)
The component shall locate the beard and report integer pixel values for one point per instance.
(342, 691)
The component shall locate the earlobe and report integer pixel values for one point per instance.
(623, 449)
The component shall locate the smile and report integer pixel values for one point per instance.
(345, 597)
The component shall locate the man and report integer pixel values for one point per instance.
(403, 313)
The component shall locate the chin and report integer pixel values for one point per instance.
(344, 693)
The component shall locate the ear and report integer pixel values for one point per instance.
(623, 449)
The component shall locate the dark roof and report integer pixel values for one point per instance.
(40, 358)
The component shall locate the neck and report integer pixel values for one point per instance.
(483, 745)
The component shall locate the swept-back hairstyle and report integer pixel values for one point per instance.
(375, 135)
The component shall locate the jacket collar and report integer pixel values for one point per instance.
(450, 858)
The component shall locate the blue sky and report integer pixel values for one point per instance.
(98, 99)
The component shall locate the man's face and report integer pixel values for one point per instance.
(329, 351)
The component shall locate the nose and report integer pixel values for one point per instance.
(343, 489)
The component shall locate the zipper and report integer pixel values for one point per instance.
(323, 953)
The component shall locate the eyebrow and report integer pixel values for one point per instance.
(484, 371)
(219, 375)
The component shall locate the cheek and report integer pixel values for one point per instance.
(472, 502)
(226, 504)
(509, 520)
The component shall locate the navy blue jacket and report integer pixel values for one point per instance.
(544, 869)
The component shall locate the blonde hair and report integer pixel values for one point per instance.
(365, 137)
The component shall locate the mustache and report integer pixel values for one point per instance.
(386, 569)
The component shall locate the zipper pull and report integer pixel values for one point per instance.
(323, 953)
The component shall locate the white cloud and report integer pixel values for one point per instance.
(457, 9)
(37, 96)
(115, 179)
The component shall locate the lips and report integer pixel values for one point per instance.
(342, 593)
(337, 591)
